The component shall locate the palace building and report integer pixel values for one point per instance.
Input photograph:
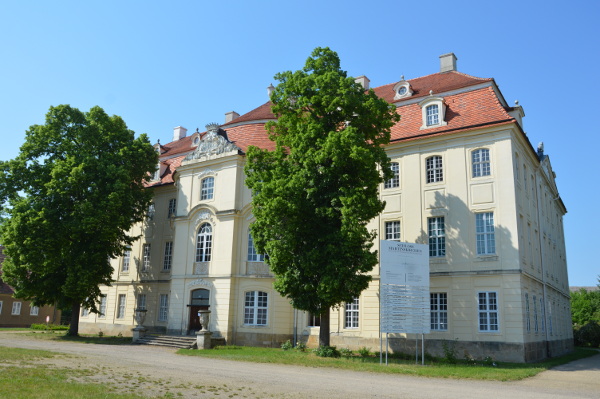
(467, 181)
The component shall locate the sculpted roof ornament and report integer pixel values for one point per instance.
(214, 142)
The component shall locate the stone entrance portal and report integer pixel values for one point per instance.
(199, 300)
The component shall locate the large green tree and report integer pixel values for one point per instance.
(71, 196)
(315, 193)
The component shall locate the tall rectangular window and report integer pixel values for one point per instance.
(172, 208)
(486, 240)
(351, 314)
(437, 236)
(543, 315)
(102, 307)
(34, 310)
(255, 308)
(488, 311)
(126, 260)
(167, 260)
(253, 256)
(141, 301)
(481, 162)
(146, 258)
(207, 188)
(392, 230)
(0, 307)
(433, 114)
(121, 306)
(535, 315)
(527, 315)
(16, 308)
(85, 312)
(433, 168)
(439, 310)
(163, 311)
(314, 320)
(395, 180)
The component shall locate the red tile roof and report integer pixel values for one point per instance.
(465, 110)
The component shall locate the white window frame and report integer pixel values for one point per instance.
(172, 209)
(429, 118)
(207, 188)
(313, 320)
(485, 233)
(394, 182)
(141, 301)
(352, 314)
(0, 307)
(253, 256)
(204, 243)
(121, 305)
(126, 261)
(256, 308)
(436, 229)
(163, 307)
(392, 230)
(480, 162)
(434, 169)
(438, 304)
(34, 310)
(488, 314)
(168, 256)
(146, 252)
(102, 307)
(16, 309)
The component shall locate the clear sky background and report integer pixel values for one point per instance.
(162, 64)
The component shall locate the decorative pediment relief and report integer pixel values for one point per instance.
(213, 143)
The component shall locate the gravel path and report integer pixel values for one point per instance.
(154, 371)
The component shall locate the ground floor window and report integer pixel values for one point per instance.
(0, 307)
(255, 308)
(488, 311)
(314, 320)
(439, 310)
(121, 306)
(163, 311)
(16, 309)
(141, 301)
(34, 311)
(351, 314)
(102, 307)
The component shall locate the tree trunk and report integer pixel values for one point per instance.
(324, 329)
(74, 326)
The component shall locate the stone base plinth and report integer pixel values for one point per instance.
(203, 339)
(137, 333)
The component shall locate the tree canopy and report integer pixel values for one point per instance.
(71, 196)
(314, 195)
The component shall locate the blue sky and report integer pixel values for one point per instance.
(162, 64)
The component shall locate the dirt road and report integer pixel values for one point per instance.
(154, 371)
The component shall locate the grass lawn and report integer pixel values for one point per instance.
(87, 339)
(433, 368)
(22, 376)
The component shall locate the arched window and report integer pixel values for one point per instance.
(433, 166)
(204, 243)
(481, 162)
(207, 189)
(253, 256)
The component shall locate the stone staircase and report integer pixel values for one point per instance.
(171, 341)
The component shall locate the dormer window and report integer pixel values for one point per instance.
(433, 112)
(402, 90)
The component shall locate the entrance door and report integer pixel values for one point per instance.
(199, 301)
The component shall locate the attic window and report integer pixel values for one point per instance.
(402, 89)
(196, 140)
(433, 112)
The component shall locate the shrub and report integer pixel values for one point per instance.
(364, 351)
(327, 351)
(287, 345)
(588, 335)
(449, 352)
(345, 352)
(301, 346)
(48, 327)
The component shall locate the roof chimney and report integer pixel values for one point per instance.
(231, 115)
(364, 81)
(270, 89)
(179, 133)
(448, 62)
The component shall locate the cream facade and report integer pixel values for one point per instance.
(468, 183)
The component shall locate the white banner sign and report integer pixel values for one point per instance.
(404, 293)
